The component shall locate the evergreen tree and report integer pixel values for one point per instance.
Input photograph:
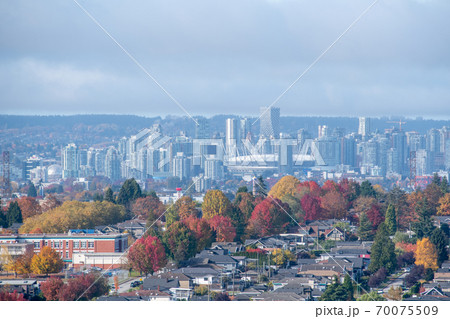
(109, 195)
(444, 185)
(261, 188)
(3, 222)
(382, 251)
(445, 229)
(242, 189)
(129, 192)
(424, 226)
(436, 179)
(440, 240)
(98, 197)
(14, 214)
(365, 227)
(366, 189)
(391, 220)
(32, 191)
(348, 285)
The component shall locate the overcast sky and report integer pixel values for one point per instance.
(223, 57)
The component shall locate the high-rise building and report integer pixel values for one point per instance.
(180, 166)
(231, 136)
(364, 126)
(70, 161)
(202, 130)
(244, 129)
(112, 164)
(269, 122)
(322, 131)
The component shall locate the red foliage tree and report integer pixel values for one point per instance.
(147, 255)
(84, 287)
(223, 226)
(29, 207)
(271, 216)
(148, 208)
(11, 296)
(202, 230)
(335, 204)
(375, 216)
(312, 208)
(51, 288)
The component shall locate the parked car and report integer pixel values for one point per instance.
(136, 283)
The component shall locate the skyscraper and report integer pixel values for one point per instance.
(71, 161)
(231, 136)
(112, 164)
(270, 122)
(364, 126)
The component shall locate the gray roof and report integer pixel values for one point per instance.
(287, 296)
(155, 283)
(197, 271)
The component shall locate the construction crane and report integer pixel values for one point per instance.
(397, 122)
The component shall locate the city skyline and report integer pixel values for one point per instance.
(393, 62)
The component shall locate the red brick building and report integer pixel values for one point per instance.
(69, 244)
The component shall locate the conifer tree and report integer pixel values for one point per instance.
(391, 220)
(440, 241)
(109, 195)
(365, 227)
(382, 251)
(424, 226)
(14, 214)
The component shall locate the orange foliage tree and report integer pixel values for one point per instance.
(444, 205)
(46, 262)
(29, 207)
(285, 186)
(215, 203)
(426, 254)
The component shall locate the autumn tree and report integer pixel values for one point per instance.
(363, 204)
(51, 288)
(223, 227)
(50, 203)
(46, 262)
(391, 220)
(75, 215)
(22, 264)
(433, 193)
(444, 205)
(365, 228)
(335, 204)
(12, 296)
(14, 214)
(29, 207)
(382, 252)
(148, 207)
(312, 208)
(394, 293)
(204, 235)
(375, 216)
(269, 217)
(440, 241)
(215, 203)
(180, 242)
(84, 287)
(281, 257)
(245, 203)
(147, 255)
(287, 185)
(426, 254)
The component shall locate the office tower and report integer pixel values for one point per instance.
(422, 163)
(213, 169)
(31, 163)
(348, 153)
(231, 136)
(100, 156)
(447, 155)
(399, 144)
(180, 166)
(433, 141)
(364, 126)
(112, 164)
(244, 129)
(322, 131)
(329, 149)
(370, 153)
(269, 122)
(70, 161)
(202, 130)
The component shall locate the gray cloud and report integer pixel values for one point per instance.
(225, 56)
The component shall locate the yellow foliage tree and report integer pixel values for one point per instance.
(285, 186)
(281, 256)
(215, 203)
(46, 262)
(426, 254)
(75, 215)
(444, 205)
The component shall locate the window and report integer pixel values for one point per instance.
(83, 244)
(36, 244)
(76, 244)
(67, 254)
(91, 244)
(51, 244)
(56, 244)
(67, 244)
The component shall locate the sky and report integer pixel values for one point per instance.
(226, 57)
